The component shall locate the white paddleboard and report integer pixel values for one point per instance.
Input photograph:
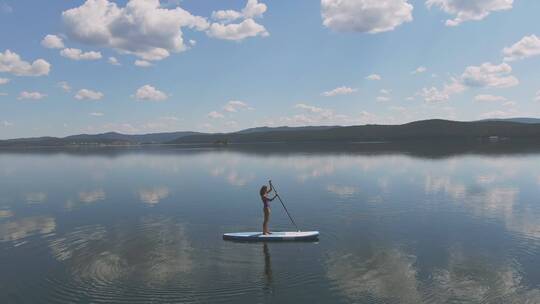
(275, 236)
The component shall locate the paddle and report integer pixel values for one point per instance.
(287, 211)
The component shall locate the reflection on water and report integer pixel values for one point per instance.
(396, 228)
(386, 275)
(16, 229)
(91, 196)
(267, 265)
(154, 195)
(35, 197)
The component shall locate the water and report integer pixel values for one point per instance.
(145, 225)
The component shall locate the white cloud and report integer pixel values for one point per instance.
(143, 63)
(239, 31)
(11, 62)
(309, 108)
(499, 114)
(143, 27)
(419, 70)
(365, 16)
(148, 92)
(215, 115)
(52, 42)
(489, 98)
(469, 9)
(3, 94)
(528, 46)
(235, 105)
(4, 80)
(466, 10)
(489, 75)
(6, 123)
(374, 77)
(339, 91)
(385, 91)
(253, 9)
(88, 94)
(245, 29)
(31, 95)
(226, 15)
(77, 54)
(113, 61)
(433, 94)
(65, 86)
(537, 97)
(383, 98)
(97, 114)
(485, 75)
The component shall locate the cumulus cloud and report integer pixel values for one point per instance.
(339, 91)
(88, 94)
(489, 98)
(143, 63)
(469, 9)
(528, 46)
(4, 80)
(64, 86)
(253, 9)
(309, 108)
(419, 70)
(489, 75)
(148, 92)
(143, 27)
(383, 98)
(245, 29)
(374, 77)
(239, 31)
(434, 94)
(537, 97)
(77, 54)
(365, 16)
(97, 114)
(11, 62)
(113, 61)
(235, 106)
(215, 115)
(31, 95)
(52, 42)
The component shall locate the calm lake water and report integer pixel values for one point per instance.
(146, 225)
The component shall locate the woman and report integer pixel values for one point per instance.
(266, 206)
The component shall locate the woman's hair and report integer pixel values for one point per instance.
(263, 190)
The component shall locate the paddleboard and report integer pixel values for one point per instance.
(275, 236)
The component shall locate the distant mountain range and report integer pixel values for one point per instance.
(427, 130)
(517, 119)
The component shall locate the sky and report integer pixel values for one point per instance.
(145, 66)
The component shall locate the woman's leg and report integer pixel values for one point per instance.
(266, 219)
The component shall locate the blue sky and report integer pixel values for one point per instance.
(228, 65)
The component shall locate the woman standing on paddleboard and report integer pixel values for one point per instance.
(266, 206)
